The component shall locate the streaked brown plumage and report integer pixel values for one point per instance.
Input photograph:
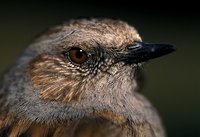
(78, 80)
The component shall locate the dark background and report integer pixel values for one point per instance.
(172, 81)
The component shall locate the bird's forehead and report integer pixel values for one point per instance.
(111, 33)
(106, 32)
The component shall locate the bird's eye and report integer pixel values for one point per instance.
(77, 55)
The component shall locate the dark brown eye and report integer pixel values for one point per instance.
(77, 55)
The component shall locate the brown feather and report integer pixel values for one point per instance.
(19, 128)
(38, 130)
(52, 77)
(59, 131)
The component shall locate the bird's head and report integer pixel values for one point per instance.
(82, 69)
(84, 57)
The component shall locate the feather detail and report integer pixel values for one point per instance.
(51, 75)
(19, 128)
(39, 130)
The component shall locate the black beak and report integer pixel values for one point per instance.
(140, 52)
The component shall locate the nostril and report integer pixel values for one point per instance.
(134, 45)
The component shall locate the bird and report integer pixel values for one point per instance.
(79, 79)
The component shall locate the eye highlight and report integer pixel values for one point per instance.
(77, 55)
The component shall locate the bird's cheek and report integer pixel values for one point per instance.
(48, 75)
